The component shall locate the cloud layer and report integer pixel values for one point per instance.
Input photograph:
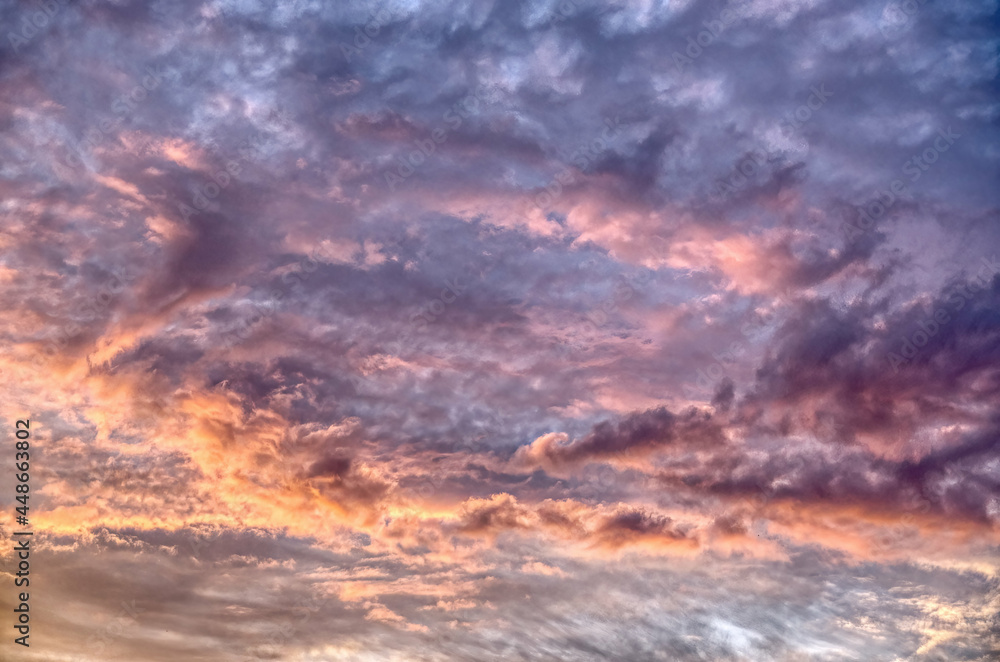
(505, 330)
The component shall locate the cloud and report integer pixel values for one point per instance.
(638, 420)
(637, 434)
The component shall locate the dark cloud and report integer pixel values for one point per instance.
(636, 434)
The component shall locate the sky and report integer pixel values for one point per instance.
(516, 330)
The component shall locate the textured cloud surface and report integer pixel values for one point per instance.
(503, 330)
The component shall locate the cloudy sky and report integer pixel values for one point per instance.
(503, 329)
